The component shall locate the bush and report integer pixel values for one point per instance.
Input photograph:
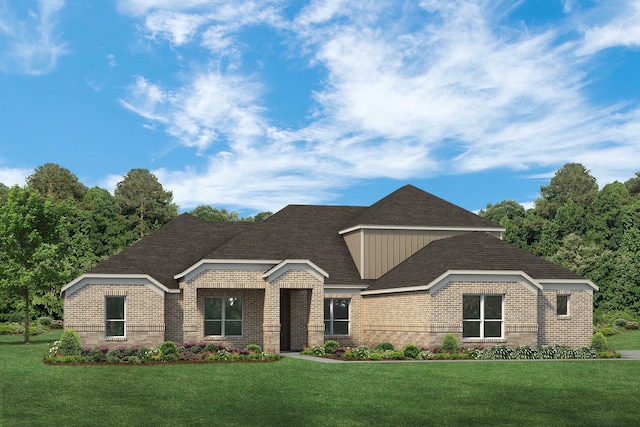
(411, 351)
(622, 323)
(330, 346)
(632, 325)
(6, 329)
(393, 355)
(450, 344)
(525, 352)
(384, 346)
(96, 355)
(113, 356)
(499, 352)
(45, 321)
(254, 348)
(608, 331)
(70, 343)
(211, 347)
(599, 342)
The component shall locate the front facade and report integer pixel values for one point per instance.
(407, 269)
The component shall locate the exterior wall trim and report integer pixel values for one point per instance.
(224, 264)
(116, 279)
(295, 264)
(421, 228)
(568, 285)
(467, 275)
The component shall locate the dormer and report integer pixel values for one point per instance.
(396, 227)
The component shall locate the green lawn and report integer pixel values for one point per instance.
(629, 340)
(301, 393)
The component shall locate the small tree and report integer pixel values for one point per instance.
(450, 344)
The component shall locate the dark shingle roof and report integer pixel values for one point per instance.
(411, 206)
(171, 249)
(468, 251)
(299, 232)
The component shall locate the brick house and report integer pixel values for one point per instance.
(407, 269)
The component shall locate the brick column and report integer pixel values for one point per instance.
(315, 328)
(190, 313)
(271, 322)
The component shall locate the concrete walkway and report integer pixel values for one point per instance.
(630, 354)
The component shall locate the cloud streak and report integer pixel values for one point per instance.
(407, 91)
(30, 44)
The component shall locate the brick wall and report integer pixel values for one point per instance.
(396, 318)
(144, 315)
(173, 313)
(519, 313)
(575, 329)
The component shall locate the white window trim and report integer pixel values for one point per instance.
(123, 320)
(223, 320)
(482, 320)
(331, 319)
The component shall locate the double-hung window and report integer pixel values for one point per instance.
(223, 317)
(336, 316)
(114, 325)
(482, 316)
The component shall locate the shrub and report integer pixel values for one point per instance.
(411, 351)
(254, 348)
(169, 352)
(599, 342)
(45, 321)
(384, 346)
(585, 353)
(608, 331)
(330, 346)
(622, 323)
(450, 343)
(632, 325)
(57, 324)
(375, 356)
(6, 329)
(525, 352)
(96, 355)
(70, 343)
(564, 352)
(393, 355)
(113, 356)
(499, 352)
(361, 352)
(211, 347)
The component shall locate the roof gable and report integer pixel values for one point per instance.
(475, 251)
(411, 206)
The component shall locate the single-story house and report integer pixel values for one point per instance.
(407, 269)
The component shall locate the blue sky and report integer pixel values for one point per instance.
(252, 105)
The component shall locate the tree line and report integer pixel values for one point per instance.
(54, 228)
(592, 231)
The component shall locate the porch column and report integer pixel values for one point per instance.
(315, 328)
(190, 314)
(271, 323)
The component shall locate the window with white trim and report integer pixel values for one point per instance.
(482, 316)
(562, 305)
(336, 316)
(223, 317)
(114, 324)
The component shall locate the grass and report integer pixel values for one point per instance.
(298, 392)
(629, 340)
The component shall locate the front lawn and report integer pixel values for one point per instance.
(629, 340)
(298, 392)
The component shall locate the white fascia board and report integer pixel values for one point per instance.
(344, 289)
(468, 276)
(224, 264)
(295, 264)
(116, 279)
(419, 228)
(568, 284)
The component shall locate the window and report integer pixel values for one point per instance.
(223, 316)
(336, 316)
(114, 325)
(562, 305)
(482, 316)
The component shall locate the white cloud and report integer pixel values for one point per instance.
(30, 44)
(14, 176)
(447, 87)
(623, 29)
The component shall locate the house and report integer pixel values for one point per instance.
(407, 269)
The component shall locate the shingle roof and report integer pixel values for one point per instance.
(411, 206)
(468, 251)
(171, 249)
(299, 232)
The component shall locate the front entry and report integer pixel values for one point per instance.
(285, 320)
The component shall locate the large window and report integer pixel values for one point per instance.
(482, 316)
(114, 325)
(223, 316)
(336, 316)
(562, 305)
